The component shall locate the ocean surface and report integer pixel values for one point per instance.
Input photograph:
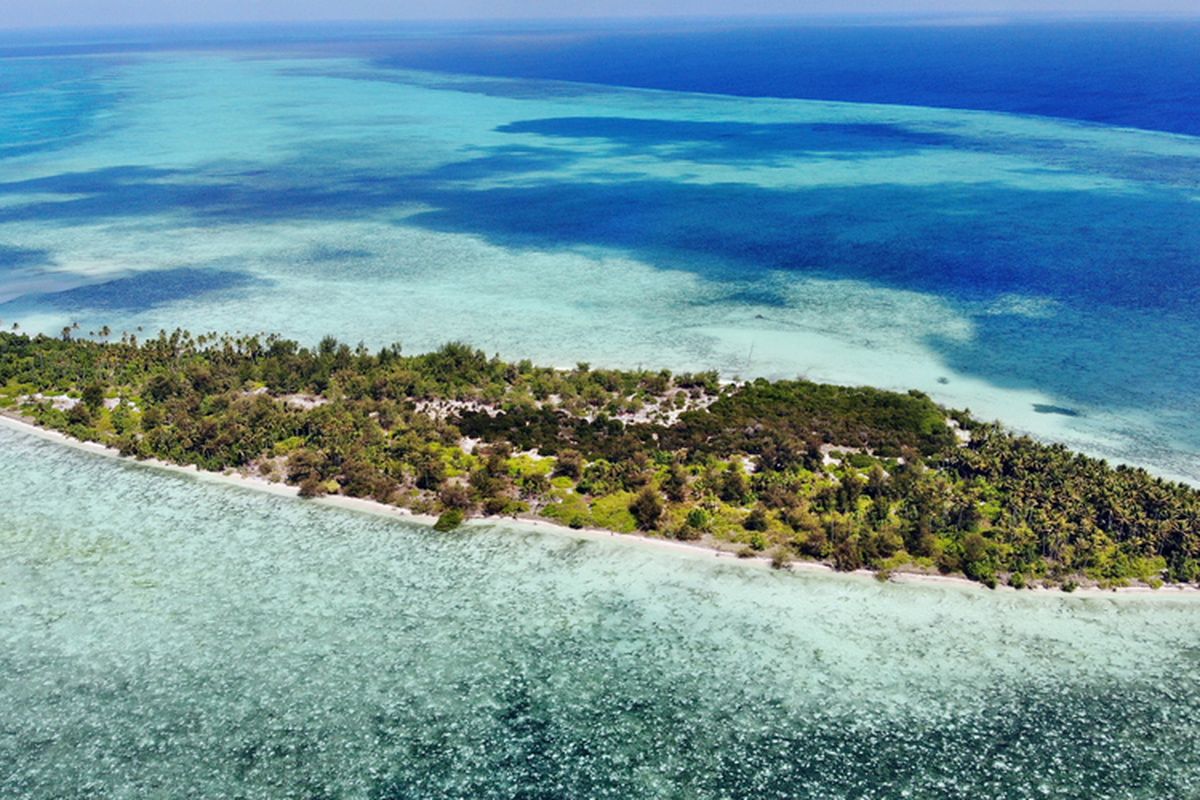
(165, 637)
(1005, 216)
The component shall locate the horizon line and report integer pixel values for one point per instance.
(943, 19)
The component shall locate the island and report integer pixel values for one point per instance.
(853, 477)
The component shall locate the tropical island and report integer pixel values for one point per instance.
(854, 477)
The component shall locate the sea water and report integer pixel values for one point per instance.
(163, 636)
(1039, 270)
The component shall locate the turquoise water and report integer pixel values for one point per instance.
(1016, 265)
(165, 637)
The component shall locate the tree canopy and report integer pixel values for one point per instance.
(854, 476)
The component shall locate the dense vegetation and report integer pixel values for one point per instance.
(856, 477)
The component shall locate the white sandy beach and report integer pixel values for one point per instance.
(15, 422)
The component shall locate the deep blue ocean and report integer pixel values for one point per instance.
(1139, 73)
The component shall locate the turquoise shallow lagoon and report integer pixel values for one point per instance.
(164, 637)
(1041, 271)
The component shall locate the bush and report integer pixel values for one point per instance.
(781, 558)
(611, 512)
(79, 414)
(304, 465)
(860, 460)
(815, 544)
(734, 487)
(450, 519)
(93, 396)
(698, 521)
(756, 520)
(675, 484)
(647, 509)
(494, 506)
(360, 479)
(569, 464)
(846, 556)
(456, 496)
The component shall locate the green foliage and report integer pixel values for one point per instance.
(612, 512)
(288, 445)
(734, 488)
(449, 520)
(79, 415)
(525, 466)
(568, 508)
(390, 427)
(93, 396)
(569, 464)
(647, 509)
(756, 520)
(698, 519)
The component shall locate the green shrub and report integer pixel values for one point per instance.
(612, 512)
(647, 509)
(756, 520)
(699, 519)
(450, 519)
(860, 460)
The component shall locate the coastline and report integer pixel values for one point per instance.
(21, 424)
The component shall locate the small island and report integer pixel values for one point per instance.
(853, 477)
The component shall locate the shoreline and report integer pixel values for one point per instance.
(22, 424)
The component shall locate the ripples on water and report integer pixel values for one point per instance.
(160, 636)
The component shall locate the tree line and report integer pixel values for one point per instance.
(853, 476)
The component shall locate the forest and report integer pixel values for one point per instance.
(854, 477)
